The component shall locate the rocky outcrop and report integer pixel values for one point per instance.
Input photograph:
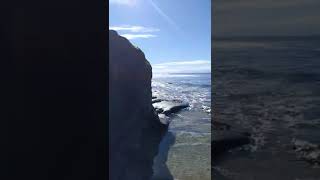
(135, 130)
(169, 107)
(307, 151)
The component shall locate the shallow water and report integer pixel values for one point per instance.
(184, 152)
(271, 88)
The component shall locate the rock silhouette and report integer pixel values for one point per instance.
(135, 130)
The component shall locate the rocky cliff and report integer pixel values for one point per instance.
(135, 130)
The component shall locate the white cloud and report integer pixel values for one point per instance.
(136, 36)
(142, 32)
(134, 29)
(123, 2)
(194, 66)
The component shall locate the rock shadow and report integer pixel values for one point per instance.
(160, 168)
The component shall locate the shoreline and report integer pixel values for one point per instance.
(184, 150)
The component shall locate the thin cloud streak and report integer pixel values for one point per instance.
(164, 15)
(195, 66)
(134, 29)
(137, 36)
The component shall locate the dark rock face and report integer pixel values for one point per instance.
(135, 130)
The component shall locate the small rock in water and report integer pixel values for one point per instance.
(154, 97)
(206, 109)
(156, 100)
(227, 140)
(307, 151)
(224, 139)
(158, 110)
(169, 107)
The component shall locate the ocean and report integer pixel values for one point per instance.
(185, 151)
(269, 87)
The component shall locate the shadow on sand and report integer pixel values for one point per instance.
(160, 168)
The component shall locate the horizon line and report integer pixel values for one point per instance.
(225, 37)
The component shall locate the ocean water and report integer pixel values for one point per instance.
(184, 152)
(271, 88)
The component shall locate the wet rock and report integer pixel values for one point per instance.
(307, 151)
(223, 141)
(206, 109)
(159, 110)
(164, 119)
(134, 136)
(225, 138)
(156, 100)
(169, 107)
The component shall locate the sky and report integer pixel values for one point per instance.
(265, 18)
(175, 35)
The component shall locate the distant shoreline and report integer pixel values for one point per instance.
(192, 73)
(261, 37)
(185, 73)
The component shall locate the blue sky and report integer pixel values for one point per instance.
(175, 35)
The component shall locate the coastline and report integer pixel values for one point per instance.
(184, 150)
